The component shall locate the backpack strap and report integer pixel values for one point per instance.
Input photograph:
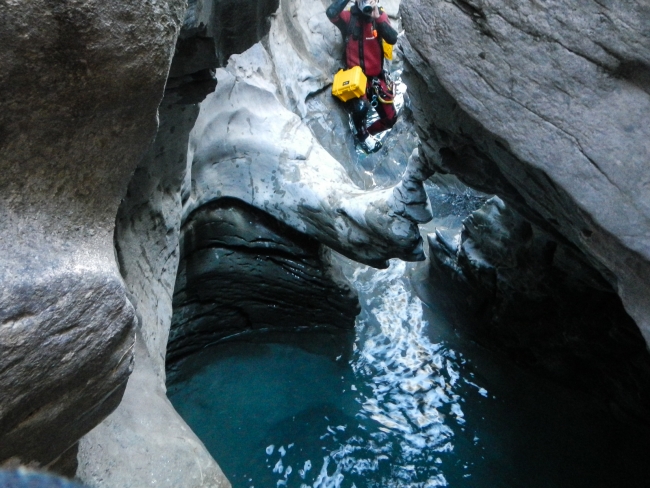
(355, 31)
(379, 39)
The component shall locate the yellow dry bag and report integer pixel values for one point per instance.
(349, 84)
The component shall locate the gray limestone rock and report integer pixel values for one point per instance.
(63, 368)
(147, 242)
(247, 145)
(80, 84)
(148, 225)
(145, 442)
(213, 30)
(546, 104)
(305, 50)
(252, 96)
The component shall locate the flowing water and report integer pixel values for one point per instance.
(388, 416)
(401, 402)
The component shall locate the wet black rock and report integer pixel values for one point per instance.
(521, 291)
(242, 271)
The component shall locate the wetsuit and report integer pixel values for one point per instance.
(363, 36)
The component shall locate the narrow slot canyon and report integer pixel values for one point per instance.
(208, 282)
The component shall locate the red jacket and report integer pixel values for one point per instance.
(363, 36)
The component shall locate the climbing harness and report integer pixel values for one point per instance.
(381, 95)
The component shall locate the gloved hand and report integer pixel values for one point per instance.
(375, 8)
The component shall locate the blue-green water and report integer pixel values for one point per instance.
(402, 401)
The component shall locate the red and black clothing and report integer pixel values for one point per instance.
(363, 47)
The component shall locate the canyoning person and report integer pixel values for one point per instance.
(364, 26)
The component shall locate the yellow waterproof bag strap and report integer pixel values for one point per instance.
(388, 50)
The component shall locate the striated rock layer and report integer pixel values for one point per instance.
(80, 85)
(242, 271)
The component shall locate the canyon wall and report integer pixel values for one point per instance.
(255, 200)
(543, 104)
(546, 105)
(80, 84)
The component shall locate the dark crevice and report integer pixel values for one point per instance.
(635, 72)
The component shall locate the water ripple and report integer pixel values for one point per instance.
(409, 396)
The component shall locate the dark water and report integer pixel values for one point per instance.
(403, 401)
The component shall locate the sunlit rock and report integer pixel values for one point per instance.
(247, 145)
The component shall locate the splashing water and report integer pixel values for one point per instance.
(408, 391)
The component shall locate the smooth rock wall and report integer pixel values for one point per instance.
(145, 442)
(546, 105)
(80, 85)
(146, 242)
(247, 145)
(246, 118)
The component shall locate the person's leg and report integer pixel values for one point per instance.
(386, 111)
(387, 118)
(358, 107)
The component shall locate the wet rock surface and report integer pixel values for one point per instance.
(545, 106)
(242, 272)
(144, 442)
(247, 145)
(146, 242)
